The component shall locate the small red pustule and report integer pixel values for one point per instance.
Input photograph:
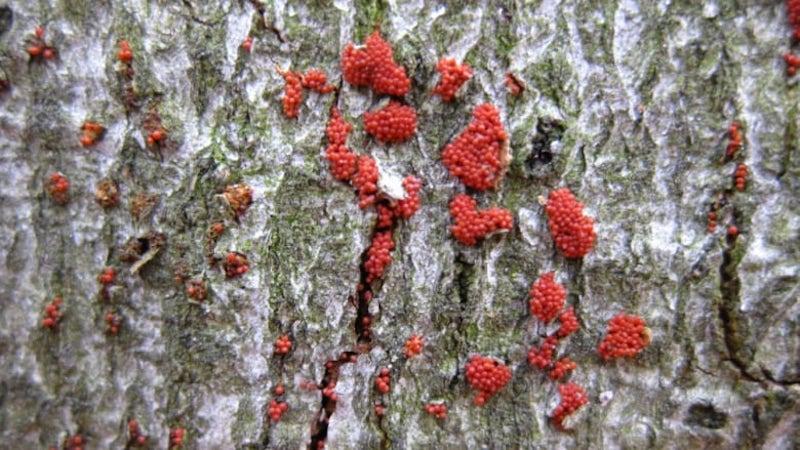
(124, 54)
(408, 206)
(547, 297)
(568, 323)
(113, 323)
(156, 137)
(316, 80)
(711, 226)
(239, 197)
(247, 44)
(53, 314)
(375, 66)
(283, 345)
(792, 63)
(276, 409)
(380, 409)
(356, 67)
(626, 336)
(394, 122)
(513, 85)
(733, 231)
(383, 381)
(58, 188)
(196, 290)
(216, 229)
(329, 391)
(91, 132)
(472, 225)
(542, 356)
(279, 390)
(734, 140)
(135, 436)
(292, 93)
(107, 276)
(37, 48)
(385, 217)
(452, 76)
(562, 367)
(573, 397)
(365, 181)
(479, 155)
(793, 14)
(342, 161)
(437, 410)
(487, 376)
(740, 177)
(379, 255)
(235, 265)
(176, 436)
(572, 231)
(74, 442)
(413, 346)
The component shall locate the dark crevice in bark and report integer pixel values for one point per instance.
(319, 429)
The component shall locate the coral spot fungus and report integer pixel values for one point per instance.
(733, 231)
(740, 177)
(375, 66)
(176, 436)
(383, 381)
(573, 397)
(734, 140)
(437, 410)
(379, 255)
(58, 188)
(74, 442)
(365, 181)
(452, 76)
(413, 346)
(711, 225)
(392, 123)
(235, 265)
(292, 93)
(247, 44)
(561, 368)
(408, 206)
(317, 81)
(53, 314)
(196, 290)
(135, 436)
(156, 137)
(113, 323)
(487, 376)
(471, 225)
(283, 345)
(342, 161)
(125, 54)
(793, 13)
(107, 276)
(626, 336)
(542, 356)
(479, 155)
(792, 63)
(569, 323)
(572, 231)
(37, 48)
(239, 197)
(91, 132)
(276, 409)
(547, 297)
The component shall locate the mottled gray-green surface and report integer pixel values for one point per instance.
(631, 98)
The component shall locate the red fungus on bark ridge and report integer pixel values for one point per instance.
(626, 336)
(394, 122)
(572, 231)
(479, 155)
(547, 297)
(573, 397)
(471, 225)
(487, 376)
(58, 188)
(452, 76)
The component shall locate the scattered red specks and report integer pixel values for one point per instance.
(135, 436)
(572, 231)
(283, 345)
(365, 181)
(380, 409)
(547, 297)
(408, 206)
(216, 229)
(792, 63)
(107, 276)
(176, 436)
(542, 356)
(734, 140)
(53, 314)
(113, 323)
(385, 217)
(452, 76)
(569, 323)
(342, 161)
(107, 193)
(437, 410)
(156, 137)
(37, 48)
(91, 132)
(740, 177)
(733, 231)
(196, 290)
(75, 442)
(279, 390)
(125, 54)
(375, 66)
(793, 13)
(514, 85)
(626, 336)
(383, 382)
(712, 222)
(235, 265)
(487, 376)
(479, 155)
(276, 410)
(58, 188)
(239, 197)
(379, 255)
(561, 368)
(394, 122)
(573, 397)
(413, 346)
(316, 80)
(247, 44)
(471, 224)
(292, 93)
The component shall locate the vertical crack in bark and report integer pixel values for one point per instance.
(319, 430)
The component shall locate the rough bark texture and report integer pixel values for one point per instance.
(627, 102)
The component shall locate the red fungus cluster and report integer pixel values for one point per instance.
(292, 93)
(452, 76)
(276, 409)
(135, 436)
(479, 155)
(374, 66)
(546, 297)
(626, 336)
(792, 63)
(58, 188)
(561, 368)
(113, 323)
(196, 290)
(408, 206)
(573, 397)
(413, 346)
(487, 376)
(569, 323)
(239, 197)
(471, 225)
(711, 226)
(283, 345)
(74, 442)
(235, 265)
(437, 410)
(793, 13)
(37, 47)
(542, 356)
(734, 140)
(394, 122)
(379, 255)
(365, 180)
(383, 383)
(156, 137)
(317, 81)
(125, 54)
(342, 161)
(91, 132)
(740, 177)
(247, 44)
(176, 436)
(572, 231)
(107, 276)
(52, 314)
(733, 231)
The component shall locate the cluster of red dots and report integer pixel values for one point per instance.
(793, 13)
(365, 180)
(452, 76)
(135, 436)
(472, 225)
(74, 442)
(294, 82)
(413, 346)
(247, 44)
(573, 397)
(113, 323)
(437, 410)
(58, 188)
(792, 63)
(379, 255)
(546, 297)
(317, 81)
(542, 356)
(734, 140)
(561, 368)
(276, 409)
(380, 409)
(479, 155)
(487, 376)
(568, 323)
(125, 54)
(513, 85)
(385, 216)
(375, 66)
(235, 265)
(342, 161)
(156, 137)
(740, 177)
(408, 206)
(712, 221)
(572, 231)
(91, 132)
(176, 436)
(394, 122)
(196, 290)
(283, 345)
(53, 314)
(626, 336)
(383, 383)
(107, 276)
(38, 48)
(239, 197)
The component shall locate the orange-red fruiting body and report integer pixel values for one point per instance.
(740, 177)
(365, 181)
(107, 276)
(113, 323)
(53, 314)
(712, 222)
(342, 161)
(156, 136)
(547, 297)
(383, 381)
(561, 368)
(471, 225)
(74, 442)
(379, 255)
(283, 345)
(626, 336)
(276, 409)
(487, 376)
(385, 217)
(196, 290)
(91, 132)
(176, 436)
(734, 140)
(733, 231)
(37, 48)
(437, 410)
(247, 44)
(316, 80)
(125, 54)
(239, 197)
(542, 356)
(793, 13)
(235, 265)
(135, 436)
(413, 346)
(58, 188)
(479, 155)
(569, 323)
(572, 231)
(408, 206)
(375, 66)
(573, 397)
(452, 76)
(792, 63)
(292, 93)
(392, 123)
